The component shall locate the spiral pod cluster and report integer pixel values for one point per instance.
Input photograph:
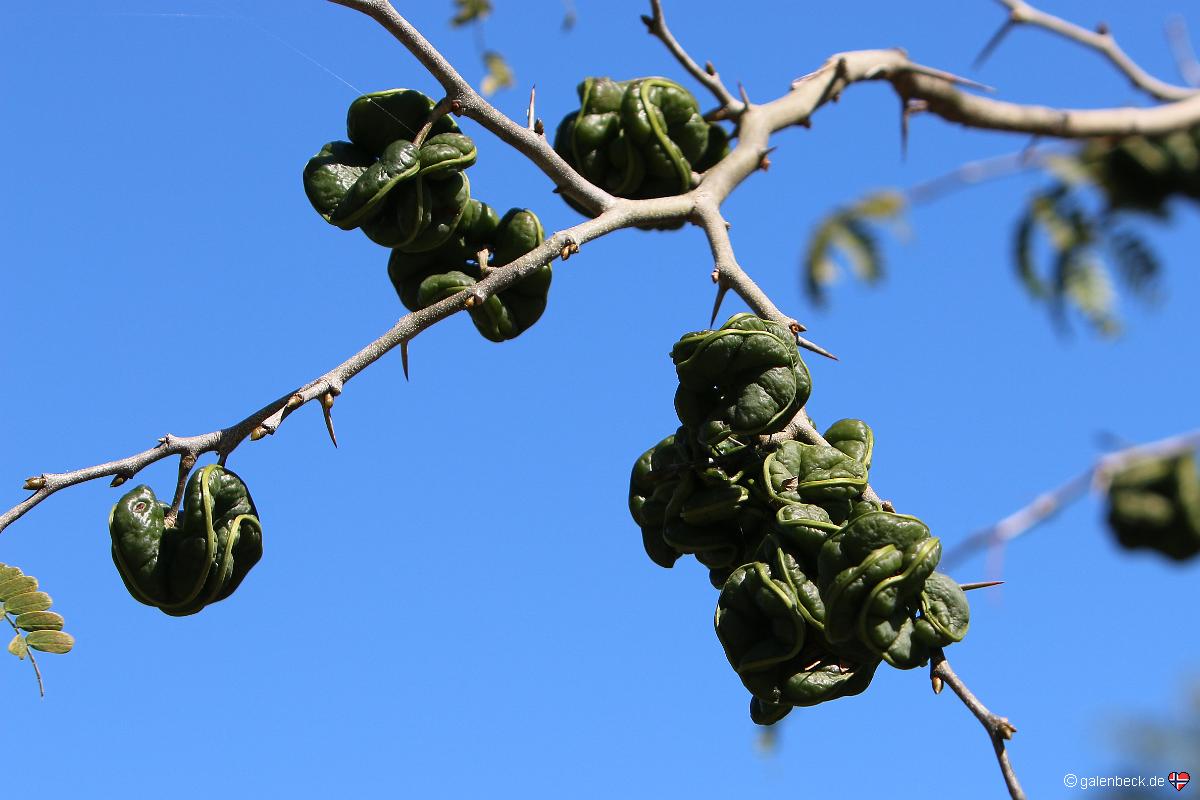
(415, 198)
(1155, 504)
(818, 585)
(639, 138)
(198, 558)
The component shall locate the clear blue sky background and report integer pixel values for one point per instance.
(455, 602)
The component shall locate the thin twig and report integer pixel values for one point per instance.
(441, 109)
(1096, 477)
(1180, 42)
(657, 25)
(731, 275)
(37, 672)
(1101, 40)
(998, 728)
(975, 172)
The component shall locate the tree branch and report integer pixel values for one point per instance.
(1100, 40)
(1180, 42)
(730, 106)
(1046, 505)
(998, 728)
(471, 104)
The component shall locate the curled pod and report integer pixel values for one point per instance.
(744, 378)
(801, 530)
(180, 566)
(1155, 504)
(756, 622)
(874, 578)
(422, 279)
(638, 138)
(381, 182)
(807, 473)
(854, 438)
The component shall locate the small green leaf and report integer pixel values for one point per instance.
(51, 641)
(26, 602)
(469, 11)
(18, 647)
(499, 74)
(15, 586)
(884, 204)
(40, 621)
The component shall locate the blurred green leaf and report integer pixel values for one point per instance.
(499, 74)
(847, 236)
(468, 11)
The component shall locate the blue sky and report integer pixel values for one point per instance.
(455, 602)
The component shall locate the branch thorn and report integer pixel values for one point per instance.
(993, 43)
(722, 290)
(742, 92)
(404, 357)
(816, 348)
(327, 409)
(967, 587)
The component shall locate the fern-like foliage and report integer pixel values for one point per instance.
(847, 237)
(1073, 244)
(27, 611)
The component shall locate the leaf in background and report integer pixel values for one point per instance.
(569, 15)
(499, 74)
(847, 235)
(1077, 276)
(1089, 288)
(468, 11)
(1137, 265)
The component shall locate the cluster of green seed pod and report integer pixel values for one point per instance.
(1155, 504)
(639, 138)
(181, 563)
(27, 611)
(1141, 173)
(411, 193)
(819, 585)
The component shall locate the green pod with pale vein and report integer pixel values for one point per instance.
(384, 184)
(768, 623)
(854, 438)
(638, 138)
(875, 578)
(1155, 504)
(376, 119)
(807, 473)
(744, 378)
(427, 278)
(800, 529)
(199, 558)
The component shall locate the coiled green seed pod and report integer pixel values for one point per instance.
(180, 566)
(744, 378)
(639, 138)
(1155, 504)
